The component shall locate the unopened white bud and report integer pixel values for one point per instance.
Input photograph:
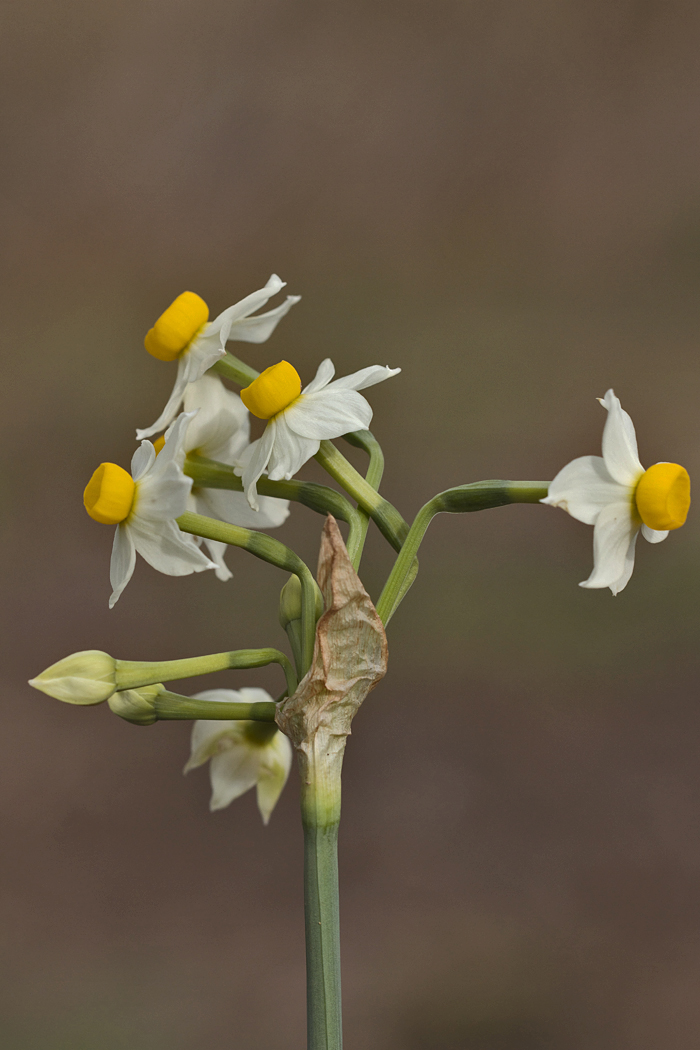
(136, 705)
(87, 677)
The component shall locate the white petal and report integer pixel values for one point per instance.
(251, 694)
(251, 303)
(620, 443)
(290, 451)
(258, 459)
(170, 411)
(217, 552)
(232, 773)
(653, 535)
(221, 417)
(583, 487)
(121, 566)
(233, 507)
(276, 761)
(259, 328)
(614, 537)
(328, 413)
(173, 451)
(161, 496)
(142, 460)
(324, 374)
(166, 548)
(365, 377)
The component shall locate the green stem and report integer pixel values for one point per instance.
(481, 495)
(270, 550)
(168, 706)
(132, 674)
(365, 440)
(231, 368)
(384, 514)
(320, 807)
(208, 473)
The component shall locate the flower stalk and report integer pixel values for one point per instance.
(133, 674)
(156, 704)
(480, 495)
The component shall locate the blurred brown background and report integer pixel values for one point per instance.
(503, 198)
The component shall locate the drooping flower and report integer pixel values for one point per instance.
(185, 333)
(242, 754)
(299, 420)
(220, 429)
(144, 505)
(616, 495)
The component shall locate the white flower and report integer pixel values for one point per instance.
(220, 430)
(243, 753)
(619, 498)
(299, 420)
(144, 508)
(185, 332)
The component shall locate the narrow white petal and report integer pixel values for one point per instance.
(365, 377)
(290, 451)
(614, 537)
(142, 460)
(222, 324)
(221, 417)
(161, 496)
(620, 443)
(206, 733)
(232, 773)
(259, 328)
(324, 374)
(217, 552)
(170, 411)
(583, 487)
(259, 457)
(121, 566)
(166, 548)
(653, 535)
(276, 761)
(328, 413)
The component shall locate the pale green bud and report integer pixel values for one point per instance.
(290, 602)
(83, 678)
(136, 705)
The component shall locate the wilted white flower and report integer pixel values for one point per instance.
(241, 754)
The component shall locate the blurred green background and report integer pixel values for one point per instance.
(502, 198)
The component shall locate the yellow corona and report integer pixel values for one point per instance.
(176, 328)
(272, 391)
(663, 496)
(109, 494)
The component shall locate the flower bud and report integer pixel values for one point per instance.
(290, 602)
(87, 677)
(136, 705)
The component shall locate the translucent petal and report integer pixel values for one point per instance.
(142, 460)
(121, 566)
(259, 453)
(583, 487)
(166, 548)
(259, 328)
(170, 411)
(222, 324)
(614, 537)
(221, 416)
(232, 773)
(365, 377)
(620, 443)
(276, 761)
(654, 535)
(324, 374)
(161, 496)
(233, 507)
(289, 451)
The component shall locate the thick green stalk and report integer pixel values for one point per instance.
(132, 674)
(365, 440)
(320, 810)
(231, 368)
(169, 706)
(481, 495)
(271, 550)
(208, 473)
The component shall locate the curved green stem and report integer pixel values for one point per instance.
(366, 440)
(132, 674)
(168, 706)
(481, 495)
(270, 550)
(208, 473)
(231, 368)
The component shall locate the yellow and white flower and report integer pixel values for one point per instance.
(185, 333)
(220, 429)
(144, 505)
(242, 754)
(620, 498)
(299, 420)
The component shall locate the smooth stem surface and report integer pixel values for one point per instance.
(208, 473)
(365, 440)
(168, 706)
(267, 549)
(481, 495)
(133, 674)
(232, 368)
(320, 808)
